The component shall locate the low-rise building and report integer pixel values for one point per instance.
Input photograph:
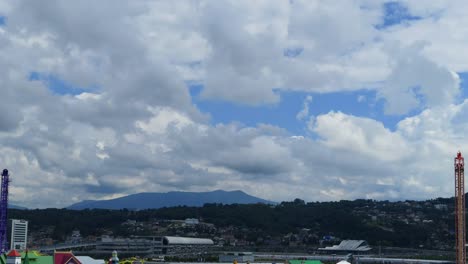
(151, 245)
(349, 246)
(236, 256)
(191, 221)
(185, 245)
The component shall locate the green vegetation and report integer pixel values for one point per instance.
(416, 224)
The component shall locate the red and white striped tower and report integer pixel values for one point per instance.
(460, 236)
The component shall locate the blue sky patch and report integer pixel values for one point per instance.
(463, 87)
(395, 13)
(292, 52)
(57, 85)
(361, 103)
(2, 20)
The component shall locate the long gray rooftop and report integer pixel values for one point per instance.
(349, 245)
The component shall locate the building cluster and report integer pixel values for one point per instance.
(152, 246)
(148, 246)
(433, 215)
(156, 237)
(147, 233)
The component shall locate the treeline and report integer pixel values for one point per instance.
(343, 219)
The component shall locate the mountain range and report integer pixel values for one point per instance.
(141, 201)
(12, 206)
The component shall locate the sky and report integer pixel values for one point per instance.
(318, 100)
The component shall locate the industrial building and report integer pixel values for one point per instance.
(18, 234)
(185, 245)
(349, 246)
(191, 221)
(151, 245)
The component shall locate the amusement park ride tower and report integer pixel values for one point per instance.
(3, 211)
(460, 237)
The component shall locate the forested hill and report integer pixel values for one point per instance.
(406, 224)
(142, 201)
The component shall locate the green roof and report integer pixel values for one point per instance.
(308, 261)
(36, 258)
(26, 258)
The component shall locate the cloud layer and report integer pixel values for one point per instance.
(109, 111)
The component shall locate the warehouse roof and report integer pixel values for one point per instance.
(343, 262)
(349, 245)
(90, 260)
(170, 240)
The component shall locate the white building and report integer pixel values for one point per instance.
(191, 221)
(18, 234)
(349, 246)
(184, 245)
(75, 237)
(90, 260)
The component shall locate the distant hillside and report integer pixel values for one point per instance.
(170, 199)
(420, 225)
(12, 206)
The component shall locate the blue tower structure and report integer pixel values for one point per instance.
(3, 211)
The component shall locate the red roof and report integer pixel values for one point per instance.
(64, 258)
(14, 253)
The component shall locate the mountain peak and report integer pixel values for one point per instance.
(150, 200)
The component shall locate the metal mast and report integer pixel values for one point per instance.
(460, 235)
(3, 212)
